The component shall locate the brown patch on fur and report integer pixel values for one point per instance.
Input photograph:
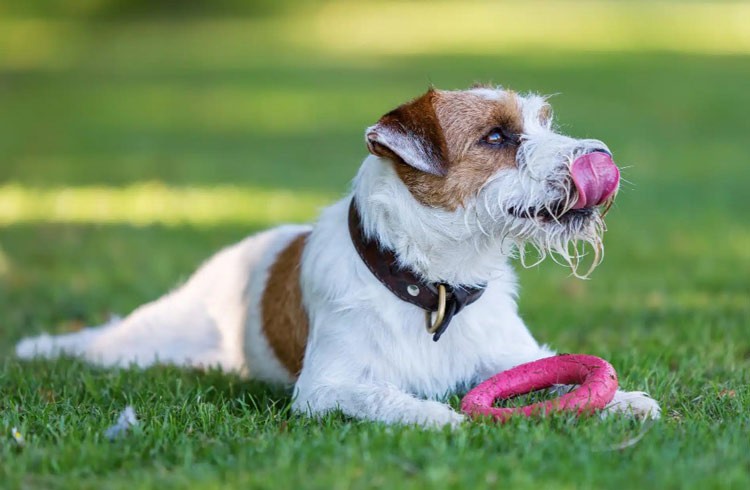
(285, 322)
(464, 119)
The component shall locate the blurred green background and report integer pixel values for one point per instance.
(137, 137)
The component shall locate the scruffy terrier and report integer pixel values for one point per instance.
(402, 292)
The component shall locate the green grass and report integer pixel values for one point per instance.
(670, 306)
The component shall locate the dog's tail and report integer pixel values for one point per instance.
(73, 344)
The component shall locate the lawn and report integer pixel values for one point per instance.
(130, 150)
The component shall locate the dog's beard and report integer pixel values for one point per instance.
(543, 224)
(567, 241)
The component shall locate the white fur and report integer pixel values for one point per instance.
(368, 353)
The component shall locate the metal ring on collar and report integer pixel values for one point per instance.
(432, 327)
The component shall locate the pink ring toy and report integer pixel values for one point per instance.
(596, 378)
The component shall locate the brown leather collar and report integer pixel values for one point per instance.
(405, 283)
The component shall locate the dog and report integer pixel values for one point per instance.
(402, 292)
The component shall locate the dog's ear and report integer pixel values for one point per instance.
(411, 134)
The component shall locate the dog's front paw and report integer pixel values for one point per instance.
(437, 415)
(634, 403)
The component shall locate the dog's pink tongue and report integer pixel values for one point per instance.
(595, 176)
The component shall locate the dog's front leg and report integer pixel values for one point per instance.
(373, 401)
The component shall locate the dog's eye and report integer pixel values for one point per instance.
(495, 137)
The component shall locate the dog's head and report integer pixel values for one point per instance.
(488, 163)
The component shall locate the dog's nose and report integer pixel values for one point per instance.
(588, 149)
(601, 150)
